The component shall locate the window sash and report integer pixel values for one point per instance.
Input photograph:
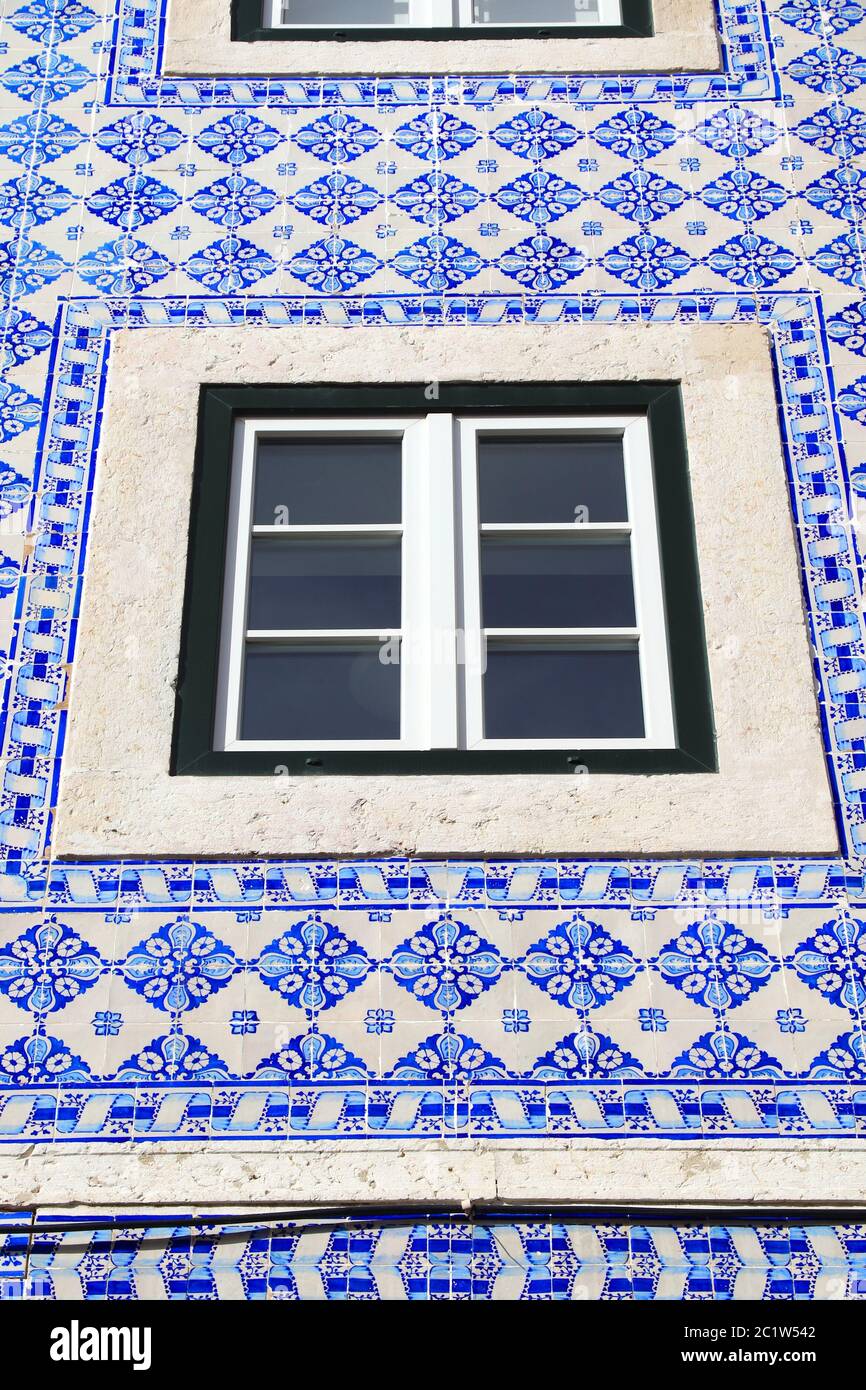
(234, 634)
(443, 14)
(442, 639)
(649, 632)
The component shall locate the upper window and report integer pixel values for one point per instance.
(454, 581)
(273, 19)
(435, 14)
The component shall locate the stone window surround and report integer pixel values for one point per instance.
(198, 40)
(116, 796)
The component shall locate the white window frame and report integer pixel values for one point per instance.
(650, 631)
(442, 14)
(441, 636)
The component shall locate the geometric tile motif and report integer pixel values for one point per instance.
(445, 964)
(694, 163)
(828, 17)
(336, 138)
(337, 199)
(715, 964)
(238, 138)
(46, 77)
(173, 1057)
(234, 200)
(539, 197)
(417, 1256)
(838, 130)
(535, 134)
(542, 263)
(642, 196)
(179, 966)
(833, 962)
(744, 195)
(438, 262)
(139, 138)
(647, 262)
(47, 21)
(312, 1056)
(435, 135)
(22, 336)
(33, 199)
(449, 1056)
(230, 265)
(438, 197)
(635, 134)
(580, 965)
(585, 1054)
(313, 965)
(27, 266)
(124, 266)
(725, 1055)
(133, 201)
(48, 966)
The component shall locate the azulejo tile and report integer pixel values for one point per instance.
(573, 198)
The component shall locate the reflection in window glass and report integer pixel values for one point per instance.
(537, 13)
(324, 584)
(532, 691)
(555, 583)
(318, 692)
(549, 478)
(348, 481)
(344, 12)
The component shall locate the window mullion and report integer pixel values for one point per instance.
(415, 645)
(648, 588)
(234, 611)
(432, 14)
(609, 13)
(470, 565)
(442, 582)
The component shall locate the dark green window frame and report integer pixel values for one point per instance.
(221, 406)
(247, 27)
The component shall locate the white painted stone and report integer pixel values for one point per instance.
(602, 1172)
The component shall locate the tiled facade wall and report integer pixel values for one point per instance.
(541, 1257)
(146, 1002)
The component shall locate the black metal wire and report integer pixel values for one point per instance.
(319, 1217)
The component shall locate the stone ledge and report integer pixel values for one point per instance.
(198, 41)
(737, 1173)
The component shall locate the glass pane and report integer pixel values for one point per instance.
(328, 482)
(310, 584)
(551, 479)
(345, 12)
(534, 692)
(554, 583)
(319, 692)
(540, 13)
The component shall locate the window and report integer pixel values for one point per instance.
(275, 19)
(447, 14)
(472, 580)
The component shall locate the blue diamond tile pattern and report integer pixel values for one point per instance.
(419, 1256)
